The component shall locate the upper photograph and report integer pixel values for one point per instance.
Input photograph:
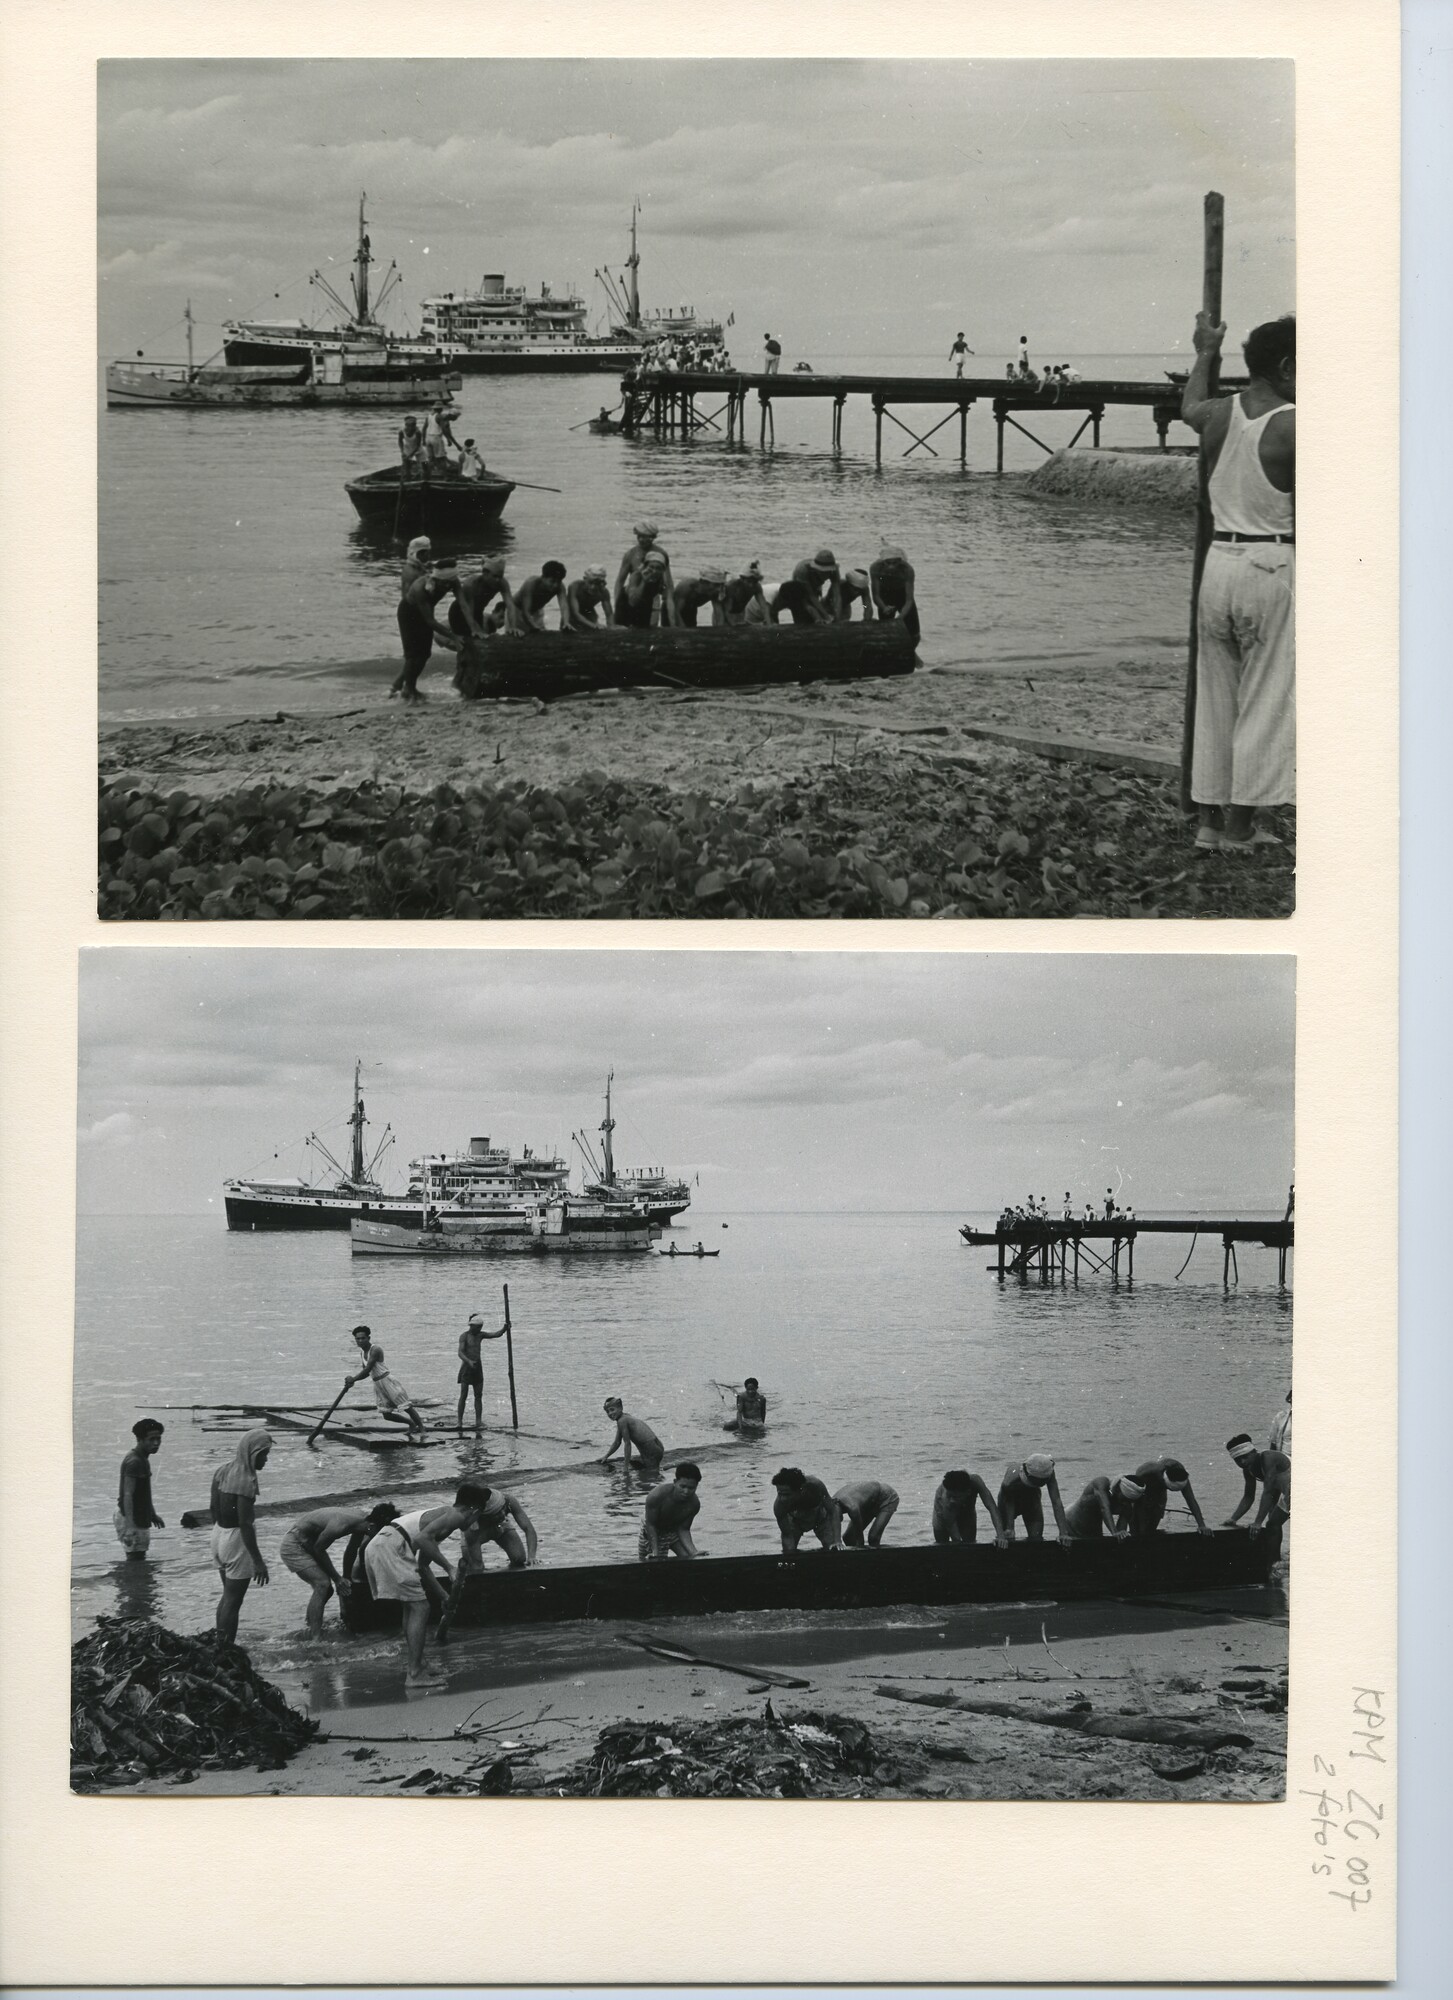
(696, 489)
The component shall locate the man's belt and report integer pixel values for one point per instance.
(1226, 535)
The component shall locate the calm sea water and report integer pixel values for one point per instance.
(234, 577)
(882, 1343)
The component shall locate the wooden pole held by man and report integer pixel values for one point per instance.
(1214, 238)
(510, 1361)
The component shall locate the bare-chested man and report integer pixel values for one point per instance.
(671, 1508)
(956, 1509)
(891, 576)
(696, 593)
(587, 601)
(855, 587)
(751, 1416)
(1159, 1478)
(1021, 1497)
(1272, 1471)
(537, 593)
(804, 1505)
(307, 1542)
(419, 628)
(471, 1368)
(502, 1521)
(633, 1435)
(636, 593)
(867, 1506)
(400, 1562)
(812, 595)
(470, 613)
(744, 601)
(1103, 1508)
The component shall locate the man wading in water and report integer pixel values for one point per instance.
(419, 628)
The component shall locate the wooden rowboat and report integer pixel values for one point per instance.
(720, 656)
(852, 1580)
(389, 504)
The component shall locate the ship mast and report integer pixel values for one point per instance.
(608, 1126)
(357, 1121)
(360, 267)
(191, 371)
(633, 264)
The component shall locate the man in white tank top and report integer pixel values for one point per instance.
(1244, 753)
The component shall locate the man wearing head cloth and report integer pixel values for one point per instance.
(856, 588)
(694, 592)
(588, 601)
(419, 628)
(1021, 1497)
(135, 1517)
(632, 604)
(1272, 1472)
(1103, 1508)
(891, 577)
(1160, 1477)
(813, 593)
(415, 563)
(744, 601)
(471, 1368)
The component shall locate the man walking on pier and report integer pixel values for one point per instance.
(1245, 741)
(958, 351)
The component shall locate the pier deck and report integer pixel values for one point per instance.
(1052, 1246)
(665, 404)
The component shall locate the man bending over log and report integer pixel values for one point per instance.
(1159, 1478)
(1103, 1508)
(1244, 748)
(635, 592)
(633, 1434)
(671, 1508)
(419, 628)
(1272, 1471)
(867, 1507)
(502, 1522)
(891, 577)
(306, 1545)
(804, 1506)
(956, 1509)
(401, 1559)
(813, 592)
(588, 601)
(1021, 1498)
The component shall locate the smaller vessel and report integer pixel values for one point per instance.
(700, 1250)
(639, 326)
(662, 1197)
(388, 503)
(563, 1226)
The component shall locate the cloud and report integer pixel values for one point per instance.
(111, 1130)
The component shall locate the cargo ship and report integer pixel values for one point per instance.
(662, 1196)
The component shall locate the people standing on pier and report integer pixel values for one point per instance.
(959, 352)
(771, 354)
(1021, 1497)
(1026, 373)
(1272, 1472)
(1159, 1478)
(671, 1508)
(419, 628)
(633, 1434)
(135, 1516)
(956, 1509)
(1245, 743)
(744, 600)
(235, 1551)
(471, 1369)
(537, 593)
(1281, 1428)
(1103, 1508)
(804, 1506)
(635, 594)
(400, 1562)
(587, 601)
(393, 1400)
(502, 1522)
(866, 1506)
(751, 1414)
(811, 594)
(693, 593)
(305, 1549)
(891, 575)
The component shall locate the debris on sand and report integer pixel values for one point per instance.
(148, 1703)
(814, 1757)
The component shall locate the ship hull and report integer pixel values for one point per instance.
(853, 1579)
(420, 372)
(326, 1211)
(381, 1239)
(544, 361)
(132, 386)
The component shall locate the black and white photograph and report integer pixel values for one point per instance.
(732, 488)
(682, 1376)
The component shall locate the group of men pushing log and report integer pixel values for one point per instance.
(645, 594)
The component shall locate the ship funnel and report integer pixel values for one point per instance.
(479, 1149)
(492, 285)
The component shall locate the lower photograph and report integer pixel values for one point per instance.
(650, 1374)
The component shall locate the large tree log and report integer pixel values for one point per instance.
(1127, 1728)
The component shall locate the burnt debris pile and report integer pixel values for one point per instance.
(148, 1703)
(812, 1757)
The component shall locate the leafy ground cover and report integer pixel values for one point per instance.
(1028, 838)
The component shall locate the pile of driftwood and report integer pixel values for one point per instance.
(812, 1757)
(148, 1703)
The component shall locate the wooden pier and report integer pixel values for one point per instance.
(1053, 1249)
(665, 404)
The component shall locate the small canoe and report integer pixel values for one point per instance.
(389, 504)
(720, 656)
(854, 1579)
(674, 1252)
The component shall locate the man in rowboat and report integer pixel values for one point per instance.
(633, 1434)
(411, 449)
(867, 1506)
(394, 1401)
(307, 1542)
(401, 1559)
(587, 601)
(1272, 1471)
(1021, 1497)
(1104, 1508)
(471, 1369)
(956, 1509)
(804, 1506)
(671, 1508)
(1159, 1478)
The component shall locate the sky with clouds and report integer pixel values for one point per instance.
(788, 1081)
(850, 206)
